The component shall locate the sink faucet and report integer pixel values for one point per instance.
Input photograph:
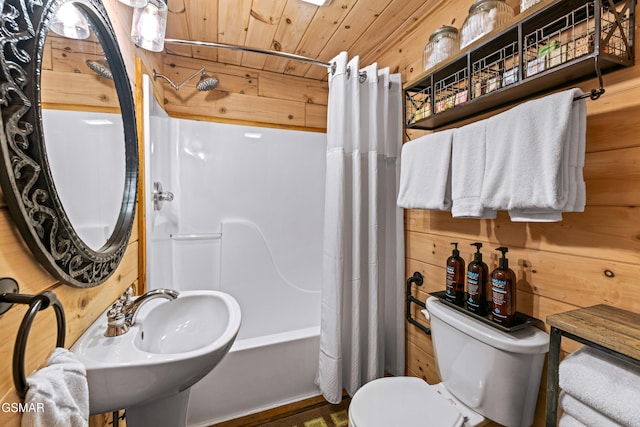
(122, 314)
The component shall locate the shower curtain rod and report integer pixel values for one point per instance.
(286, 55)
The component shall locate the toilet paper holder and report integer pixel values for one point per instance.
(418, 279)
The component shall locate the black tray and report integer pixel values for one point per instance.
(520, 320)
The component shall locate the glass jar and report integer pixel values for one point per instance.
(442, 44)
(484, 17)
(526, 4)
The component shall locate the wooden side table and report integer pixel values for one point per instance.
(606, 328)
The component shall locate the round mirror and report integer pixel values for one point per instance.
(69, 142)
(90, 190)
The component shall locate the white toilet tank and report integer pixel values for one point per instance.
(495, 373)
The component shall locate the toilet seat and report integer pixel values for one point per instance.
(402, 401)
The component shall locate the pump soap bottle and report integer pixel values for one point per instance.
(455, 278)
(503, 291)
(477, 276)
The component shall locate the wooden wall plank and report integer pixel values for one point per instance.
(601, 132)
(422, 363)
(354, 27)
(397, 15)
(263, 24)
(295, 18)
(250, 96)
(232, 79)
(279, 86)
(600, 232)
(202, 17)
(563, 277)
(612, 177)
(324, 23)
(177, 27)
(88, 90)
(236, 12)
(316, 116)
(238, 107)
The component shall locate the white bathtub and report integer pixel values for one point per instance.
(274, 360)
(257, 374)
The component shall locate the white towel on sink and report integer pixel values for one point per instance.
(62, 392)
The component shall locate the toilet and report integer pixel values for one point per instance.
(486, 375)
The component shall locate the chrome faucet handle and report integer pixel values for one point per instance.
(116, 320)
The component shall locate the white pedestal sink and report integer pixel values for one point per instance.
(148, 370)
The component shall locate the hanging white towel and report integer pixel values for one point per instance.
(583, 413)
(61, 390)
(467, 171)
(567, 420)
(532, 158)
(425, 172)
(604, 382)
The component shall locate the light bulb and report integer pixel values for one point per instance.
(70, 22)
(149, 25)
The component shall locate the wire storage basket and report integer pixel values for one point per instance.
(574, 35)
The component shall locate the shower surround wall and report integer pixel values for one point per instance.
(247, 219)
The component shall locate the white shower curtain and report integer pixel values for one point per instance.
(362, 322)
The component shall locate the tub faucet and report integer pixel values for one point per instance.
(122, 314)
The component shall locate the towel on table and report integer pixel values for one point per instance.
(61, 390)
(567, 420)
(604, 382)
(532, 158)
(425, 172)
(467, 171)
(583, 413)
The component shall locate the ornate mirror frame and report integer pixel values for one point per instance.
(25, 175)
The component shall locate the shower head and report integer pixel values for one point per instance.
(100, 67)
(207, 83)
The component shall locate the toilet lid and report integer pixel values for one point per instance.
(402, 401)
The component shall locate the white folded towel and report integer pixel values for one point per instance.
(467, 171)
(61, 390)
(579, 120)
(567, 420)
(583, 413)
(530, 153)
(604, 382)
(425, 172)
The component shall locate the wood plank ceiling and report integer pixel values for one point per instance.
(361, 27)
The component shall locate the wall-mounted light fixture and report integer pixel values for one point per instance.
(318, 2)
(70, 22)
(149, 25)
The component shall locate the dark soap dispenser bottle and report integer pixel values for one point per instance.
(503, 290)
(455, 278)
(477, 277)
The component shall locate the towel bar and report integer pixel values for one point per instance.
(8, 296)
(418, 279)
(594, 94)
